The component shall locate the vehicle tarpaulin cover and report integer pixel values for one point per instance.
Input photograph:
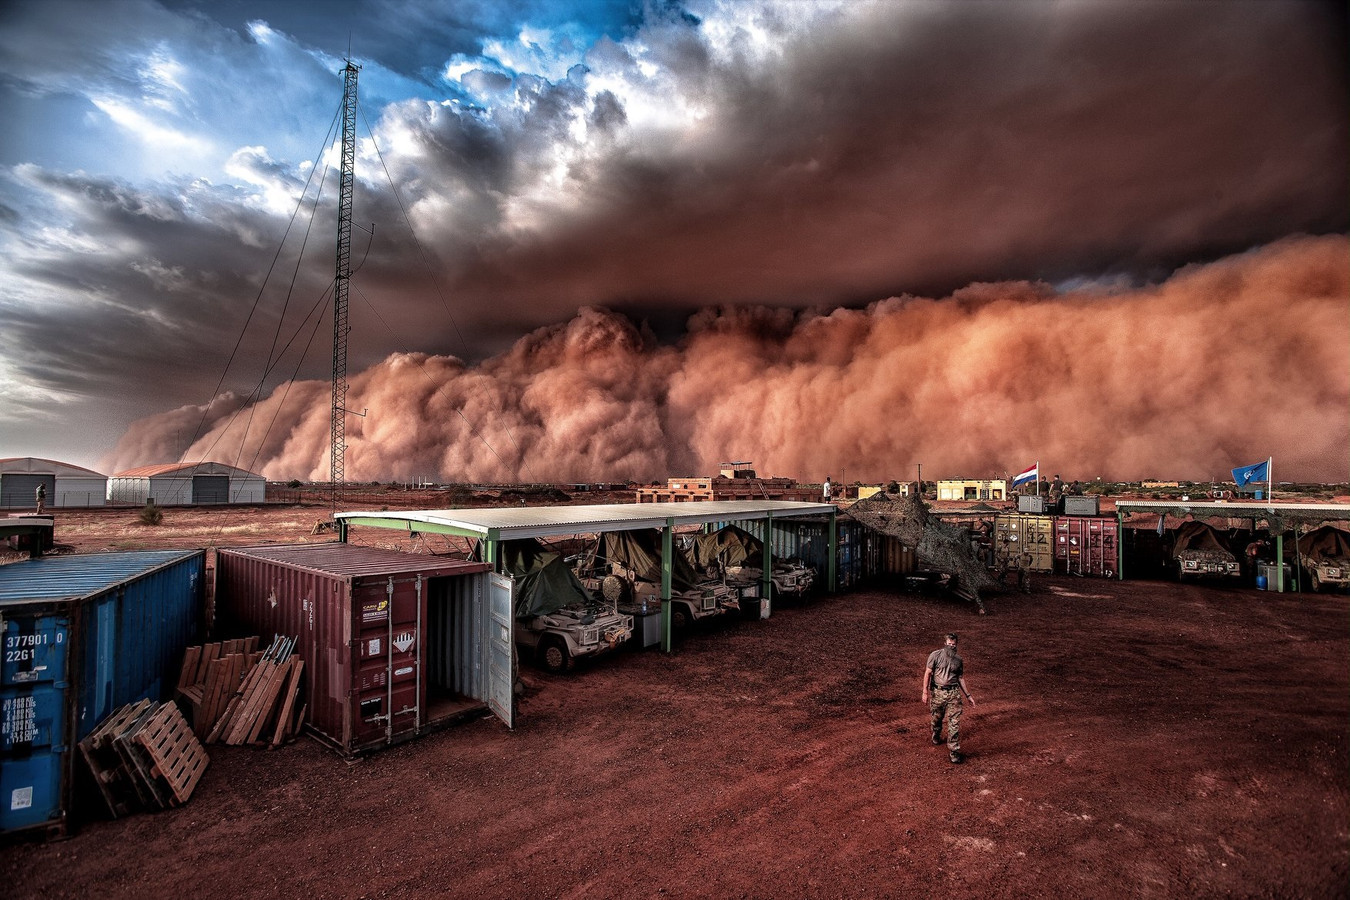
(640, 553)
(544, 581)
(732, 546)
(1325, 544)
(1197, 537)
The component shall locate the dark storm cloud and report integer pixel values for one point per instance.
(790, 155)
(930, 146)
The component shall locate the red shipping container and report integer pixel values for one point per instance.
(394, 643)
(1086, 545)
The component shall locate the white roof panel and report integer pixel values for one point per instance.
(543, 521)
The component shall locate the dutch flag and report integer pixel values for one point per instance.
(1028, 476)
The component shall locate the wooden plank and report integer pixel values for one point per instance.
(289, 694)
(243, 718)
(271, 704)
(209, 653)
(187, 676)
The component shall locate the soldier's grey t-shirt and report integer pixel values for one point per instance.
(947, 667)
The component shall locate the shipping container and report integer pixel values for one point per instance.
(1087, 546)
(83, 635)
(1089, 505)
(395, 644)
(1024, 541)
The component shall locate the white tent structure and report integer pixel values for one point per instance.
(187, 484)
(67, 485)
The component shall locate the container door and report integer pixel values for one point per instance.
(33, 738)
(501, 649)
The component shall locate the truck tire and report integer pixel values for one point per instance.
(680, 619)
(554, 656)
(1315, 583)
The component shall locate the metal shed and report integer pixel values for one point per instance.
(67, 485)
(1278, 515)
(394, 644)
(494, 525)
(187, 484)
(83, 635)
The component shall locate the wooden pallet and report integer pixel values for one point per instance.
(110, 771)
(178, 757)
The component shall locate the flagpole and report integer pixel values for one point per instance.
(1270, 479)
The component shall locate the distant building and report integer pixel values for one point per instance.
(67, 485)
(734, 482)
(1154, 485)
(187, 484)
(972, 489)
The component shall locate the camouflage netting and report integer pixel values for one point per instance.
(940, 547)
(1196, 540)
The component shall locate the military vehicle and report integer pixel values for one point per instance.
(1200, 551)
(626, 569)
(557, 619)
(1325, 557)
(738, 557)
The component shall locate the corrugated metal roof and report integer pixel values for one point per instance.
(354, 560)
(1237, 509)
(167, 468)
(544, 521)
(83, 575)
(36, 464)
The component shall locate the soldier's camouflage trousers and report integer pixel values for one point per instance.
(947, 702)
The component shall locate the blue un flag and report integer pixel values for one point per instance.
(1252, 474)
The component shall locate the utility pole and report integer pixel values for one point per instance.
(920, 465)
(337, 436)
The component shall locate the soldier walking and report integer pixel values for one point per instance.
(41, 497)
(944, 676)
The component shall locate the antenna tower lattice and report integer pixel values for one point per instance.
(338, 427)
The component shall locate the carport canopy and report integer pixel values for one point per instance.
(1277, 515)
(494, 524)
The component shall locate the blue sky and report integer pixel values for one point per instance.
(655, 159)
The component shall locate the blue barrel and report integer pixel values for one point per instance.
(1260, 495)
(1261, 582)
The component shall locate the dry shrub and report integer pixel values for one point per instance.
(151, 514)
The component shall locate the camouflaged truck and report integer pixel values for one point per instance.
(626, 567)
(557, 619)
(738, 556)
(1324, 555)
(1199, 551)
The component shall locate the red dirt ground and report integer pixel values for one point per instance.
(1135, 739)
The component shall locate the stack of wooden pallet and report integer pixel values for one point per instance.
(144, 756)
(264, 708)
(211, 675)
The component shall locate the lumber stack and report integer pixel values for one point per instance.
(264, 708)
(211, 675)
(144, 756)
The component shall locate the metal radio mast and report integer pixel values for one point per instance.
(338, 430)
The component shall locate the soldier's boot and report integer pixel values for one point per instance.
(957, 757)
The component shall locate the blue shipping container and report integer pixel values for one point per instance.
(83, 635)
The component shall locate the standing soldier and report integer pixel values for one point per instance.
(41, 497)
(945, 676)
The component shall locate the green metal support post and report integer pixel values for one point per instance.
(832, 584)
(766, 580)
(1279, 560)
(1120, 546)
(667, 571)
